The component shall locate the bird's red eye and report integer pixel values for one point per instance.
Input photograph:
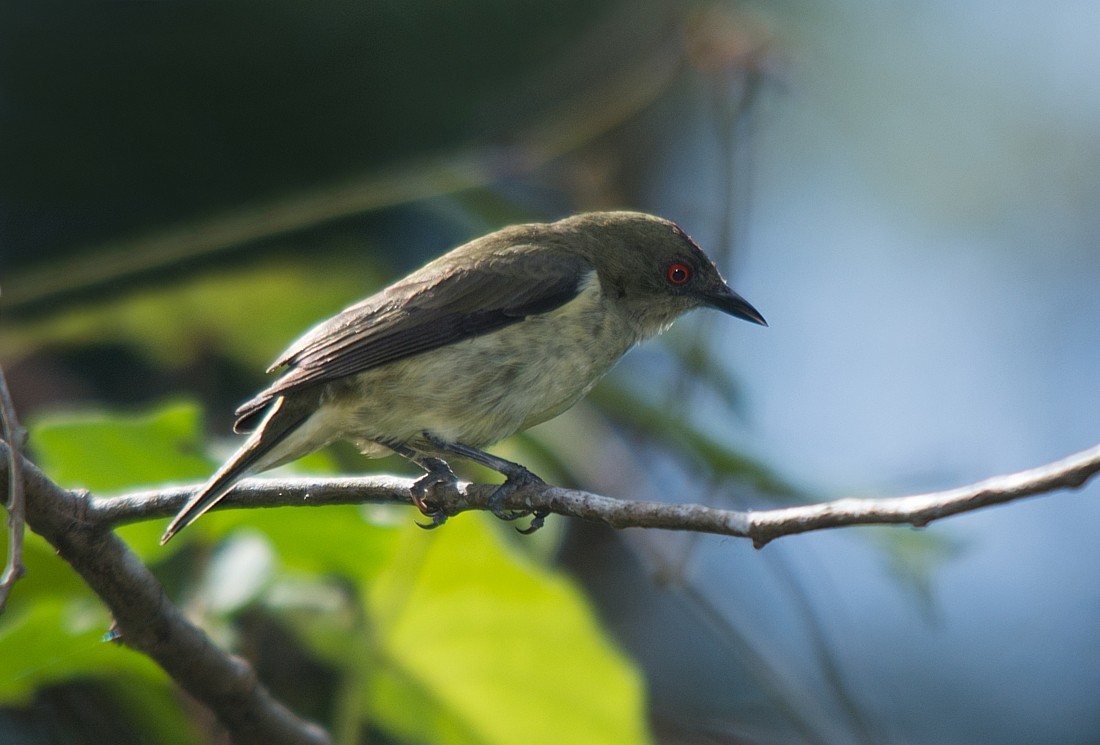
(678, 274)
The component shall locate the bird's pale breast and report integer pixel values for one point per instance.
(506, 381)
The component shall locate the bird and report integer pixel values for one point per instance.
(491, 338)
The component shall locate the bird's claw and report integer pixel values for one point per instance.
(438, 518)
(538, 519)
(517, 479)
(439, 476)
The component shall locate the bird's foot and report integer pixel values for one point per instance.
(439, 476)
(517, 477)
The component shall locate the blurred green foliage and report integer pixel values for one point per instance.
(448, 636)
(247, 312)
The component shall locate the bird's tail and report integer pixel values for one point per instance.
(255, 455)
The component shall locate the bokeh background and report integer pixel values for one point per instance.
(908, 192)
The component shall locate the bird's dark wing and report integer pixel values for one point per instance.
(444, 303)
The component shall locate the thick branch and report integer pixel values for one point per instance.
(13, 434)
(150, 623)
(762, 526)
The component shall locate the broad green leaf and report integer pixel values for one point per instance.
(56, 640)
(325, 540)
(238, 571)
(109, 453)
(47, 573)
(478, 645)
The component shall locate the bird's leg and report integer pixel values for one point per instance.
(437, 474)
(515, 476)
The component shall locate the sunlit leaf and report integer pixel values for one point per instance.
(108, 452)
(489, 648)
(339, 539)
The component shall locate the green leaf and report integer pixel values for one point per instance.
(108, 453)
(484, 647)
(337, 539)
(463, 638)
(48, 575)
(56, 639)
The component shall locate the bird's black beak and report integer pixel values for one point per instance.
(728, 301)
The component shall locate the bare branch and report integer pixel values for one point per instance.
(14, 435)
(762, 526)
(148, 622)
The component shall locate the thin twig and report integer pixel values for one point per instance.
(14, 435)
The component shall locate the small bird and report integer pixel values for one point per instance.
(495, 336)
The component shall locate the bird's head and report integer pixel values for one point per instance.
(651, 269)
